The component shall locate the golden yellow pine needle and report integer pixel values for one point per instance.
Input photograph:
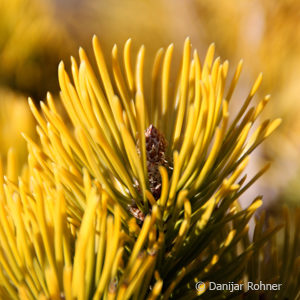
(111, 207)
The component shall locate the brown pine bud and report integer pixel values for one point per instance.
(156, 146)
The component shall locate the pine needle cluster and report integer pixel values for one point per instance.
(136, 195)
